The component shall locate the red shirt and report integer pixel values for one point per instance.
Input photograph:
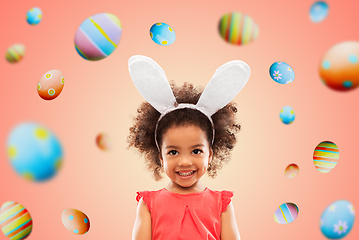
(190, 216)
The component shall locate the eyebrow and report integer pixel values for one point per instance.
(197, 145)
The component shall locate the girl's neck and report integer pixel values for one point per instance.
(175, 188)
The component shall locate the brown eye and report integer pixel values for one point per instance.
(172, 152)
(197, 151)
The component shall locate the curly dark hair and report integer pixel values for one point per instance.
(142, 133)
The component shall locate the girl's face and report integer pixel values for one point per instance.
(185, 155)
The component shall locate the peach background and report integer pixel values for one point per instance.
(100, 97)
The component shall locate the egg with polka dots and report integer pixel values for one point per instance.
(281, 72)
(34, 16)
(287, 115)
(34, 152)
(50, 84)
(162, 34)
(75, 221)
(339, 68)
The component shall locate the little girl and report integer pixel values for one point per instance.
(185, 133)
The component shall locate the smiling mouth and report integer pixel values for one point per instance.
(186, 173)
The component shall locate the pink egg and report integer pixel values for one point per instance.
(75, 221)
(291, 170)
(50, 84)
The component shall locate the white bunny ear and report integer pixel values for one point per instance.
(226, 83)
(151, 81)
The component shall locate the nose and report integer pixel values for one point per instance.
(185, 161)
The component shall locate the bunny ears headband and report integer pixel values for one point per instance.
(151, 81)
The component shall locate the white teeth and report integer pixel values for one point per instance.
(185, 174)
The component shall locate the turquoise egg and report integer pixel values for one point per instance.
(318, 11)
(281, 72)
(337, 219)
(34, 16)
(162, 34)
(287, 115)
(34, 152)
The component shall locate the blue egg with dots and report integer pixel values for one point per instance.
(34, 16)
(287, 115)
(34, 152)
(318, 11)
(162, 34)
(281, 72)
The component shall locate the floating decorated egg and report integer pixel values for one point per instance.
(15, 53)
(291, 170)
(237, 28)
(98, 36)
(281, 72)
(50, 84)
(162, 34)
(34, 16)
(286, 213)
(287, 115)
(15, 221)
(103, 141)
(325, 156)
(318, 11)
(337, 219)
(75, 221)
(35, 153)
(339, 68)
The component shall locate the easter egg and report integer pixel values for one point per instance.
(281, 72)
(35, 153)
(291, 170)
(34, 16)
(286, 213)
(15, 53)
(337, 219)
(339, 68)
(318, 11)
(287, 115)
(15, 221)
(325, 156)
(162, 34)
(98, 36)
(103, 141)
(75, 221)
(50, 84)
(237, 28)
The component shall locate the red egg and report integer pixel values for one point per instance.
(103, 142)
(75, 221)
(50, 84)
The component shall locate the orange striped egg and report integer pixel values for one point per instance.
(325, 156)
(237, 28)
(15, 221)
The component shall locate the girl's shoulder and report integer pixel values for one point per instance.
(224, 196)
